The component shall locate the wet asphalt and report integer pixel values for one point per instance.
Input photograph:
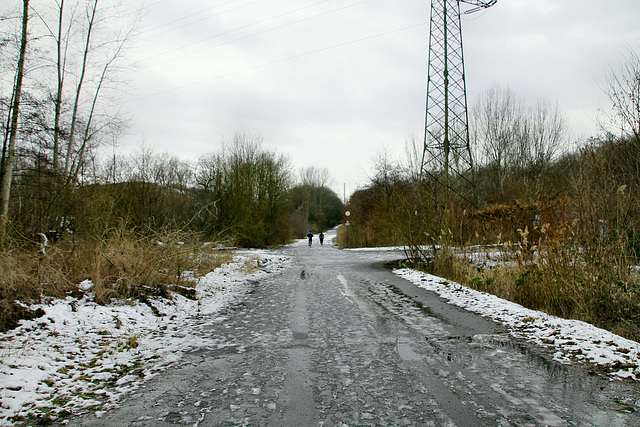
(338, 340)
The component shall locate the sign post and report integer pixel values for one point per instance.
(347, 214)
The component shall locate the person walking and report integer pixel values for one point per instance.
(321, 237)
(310, 236)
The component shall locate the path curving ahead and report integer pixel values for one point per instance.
(336, 340)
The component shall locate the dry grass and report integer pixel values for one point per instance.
(130, 266)
(120, 264)
(367, 235)
(27, 276)
(251, 266)
(560, 275)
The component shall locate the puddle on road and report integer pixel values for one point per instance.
(350, 293)
(459, 349)
(405, 351)
(348, 290)
(411, 301)
(300, 335)
(532, 354)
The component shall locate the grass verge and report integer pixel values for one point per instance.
(119, 265)
(557, 275)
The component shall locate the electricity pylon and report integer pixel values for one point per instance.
(447, 158)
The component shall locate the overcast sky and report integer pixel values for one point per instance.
(332, 83)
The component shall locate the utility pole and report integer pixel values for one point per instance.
(447, 158)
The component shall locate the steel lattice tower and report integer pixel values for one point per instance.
(447, 158)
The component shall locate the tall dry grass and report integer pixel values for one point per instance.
(559, 273)
(121, 264)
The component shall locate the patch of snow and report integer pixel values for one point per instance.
(569, 340)
(61, 361)
(378, 249)
(85, 285)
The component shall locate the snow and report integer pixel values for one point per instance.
(568, 340)
(60, 362)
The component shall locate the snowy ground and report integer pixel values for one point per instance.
(59, 363)
(569, 340)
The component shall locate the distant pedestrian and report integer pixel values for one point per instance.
(321, 238)
(310, 236)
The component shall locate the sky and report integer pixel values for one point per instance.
(335, 83)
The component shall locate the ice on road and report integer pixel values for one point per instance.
(335, 339)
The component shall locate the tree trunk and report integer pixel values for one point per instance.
(74, 118)
(78, 162)
(10, 161)
(58, 101)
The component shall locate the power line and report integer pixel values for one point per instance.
(199, 20)
(249, 35)
(289, 58)
(234, 30)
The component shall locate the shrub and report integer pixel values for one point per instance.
(121, 264)
(559, 275)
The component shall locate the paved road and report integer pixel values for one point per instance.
(336, 340)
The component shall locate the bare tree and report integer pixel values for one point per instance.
(510, 137)
(413, 157)
(622, 85)
(315, 176)
(68, 108)
(91, 15)
(90, 130)
(498, 119)
(312, 179)
(8, 163)
(208, 173)
(62, 39)
(544, 135)
(256, 183)
(386, 167)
